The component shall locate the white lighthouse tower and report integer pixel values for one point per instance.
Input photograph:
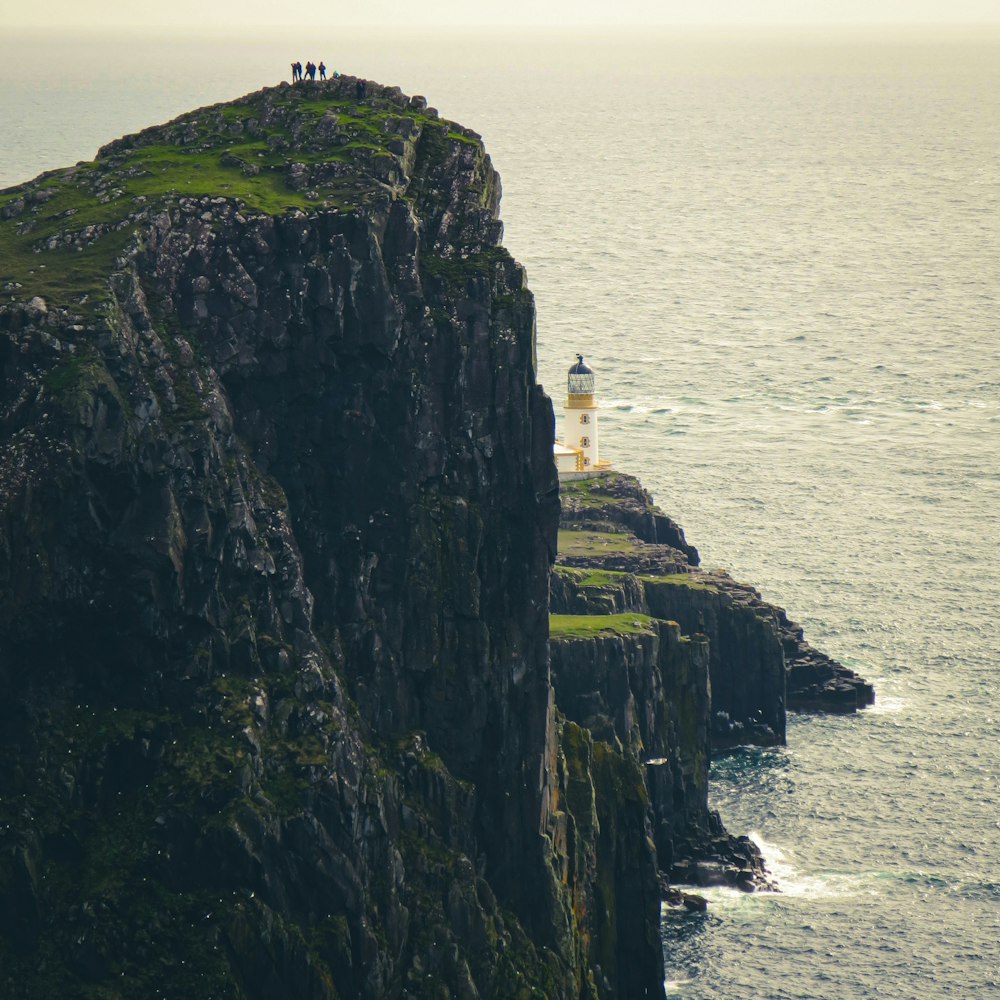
(578, 454)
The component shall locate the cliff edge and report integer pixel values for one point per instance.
(278, 509)
(618, 553)
(281, 715)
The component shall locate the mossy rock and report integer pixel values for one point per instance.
(587, 543)
(690, 581)
(61, 234)
(592, 626)
(592, 578)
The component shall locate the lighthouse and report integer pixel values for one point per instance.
(578, 454)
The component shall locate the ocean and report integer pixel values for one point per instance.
(780, 252)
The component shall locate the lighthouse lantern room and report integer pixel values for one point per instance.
(578, 454)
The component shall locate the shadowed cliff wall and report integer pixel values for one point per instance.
(278, 511)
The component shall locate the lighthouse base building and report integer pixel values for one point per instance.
(577, 456)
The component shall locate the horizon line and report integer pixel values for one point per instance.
(428, 27)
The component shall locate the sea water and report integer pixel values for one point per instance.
(781, 254)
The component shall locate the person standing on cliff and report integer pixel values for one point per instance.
(322, 70)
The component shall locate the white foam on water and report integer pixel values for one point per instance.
(673, 985)
(885, 706)
(793, 883)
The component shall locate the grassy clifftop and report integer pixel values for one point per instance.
(284, 149)
(276, 508)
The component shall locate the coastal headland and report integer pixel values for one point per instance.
(285, 712)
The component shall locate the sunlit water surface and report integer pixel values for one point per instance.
(781, 255)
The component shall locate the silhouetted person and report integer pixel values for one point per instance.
(311, 70)
(322, 70)
(296, 71)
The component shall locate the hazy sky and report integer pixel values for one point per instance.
(430, 13)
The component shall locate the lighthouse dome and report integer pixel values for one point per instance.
(581, 379)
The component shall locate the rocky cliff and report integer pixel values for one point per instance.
(666, 662)
(618, 553)
(277, 514)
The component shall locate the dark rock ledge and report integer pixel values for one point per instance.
(746, 681)
(279, 715)
(641, 635)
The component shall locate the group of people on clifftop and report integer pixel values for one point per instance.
(310, 71)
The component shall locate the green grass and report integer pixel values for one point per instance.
(238, 113)
(591, 626)
(171, 170)
(458, 137)
(587, 578)
(688, 580)
(218, 151)
(589, 492)
(587, 543)
(63, 276)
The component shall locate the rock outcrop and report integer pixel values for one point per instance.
(613, 559)
(278, 508)
(663, 662)
(640, 690)
(643, 691)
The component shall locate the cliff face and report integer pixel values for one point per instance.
(277, 515)
(620, 553)
(666, 662)
(644, 692)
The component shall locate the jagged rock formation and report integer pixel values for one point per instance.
(277, 515)
(614, 558)
(620, 502)
(664, 662)
(277, 509)
(644, 690)
(640, 690)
